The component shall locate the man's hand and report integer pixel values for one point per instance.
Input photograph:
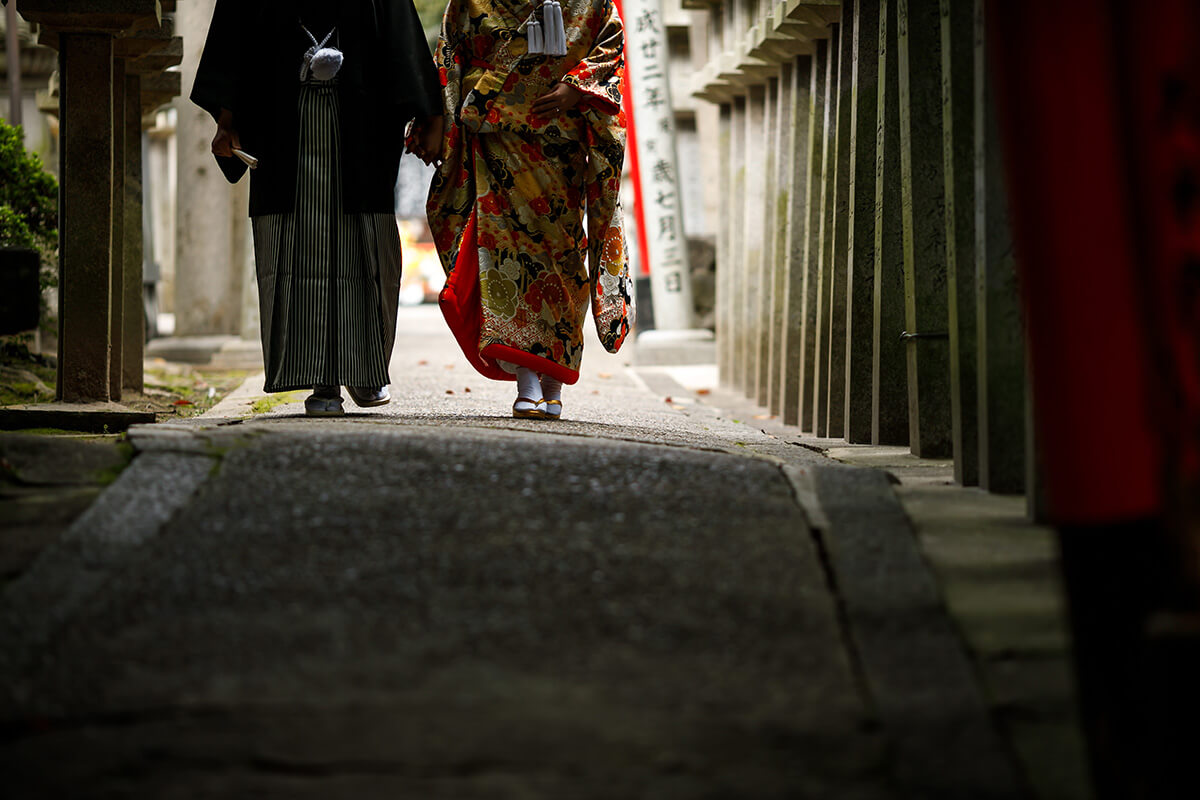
(560, 98)
(226, 140)
(429, 139)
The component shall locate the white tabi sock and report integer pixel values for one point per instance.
(552, 393)
(528, 388)
(551, 388)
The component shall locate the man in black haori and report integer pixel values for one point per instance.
(313, 96)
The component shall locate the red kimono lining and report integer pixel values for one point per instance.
(462, 307)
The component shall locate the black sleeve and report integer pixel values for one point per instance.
(408, 63)
(220, 73)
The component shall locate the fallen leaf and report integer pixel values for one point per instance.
(449, 391)
(679, 408)
(669, 400)
(422, 363)
(604, 375)
(595, 391)
(703, 391)
(764, 416)
(184, 402)
(449, 366)
(467, 390)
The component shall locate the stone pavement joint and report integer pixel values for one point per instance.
(913, 661)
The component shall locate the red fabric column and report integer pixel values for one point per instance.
(1086, 267)
(631, 145)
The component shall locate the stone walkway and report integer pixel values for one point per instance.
(653, 598)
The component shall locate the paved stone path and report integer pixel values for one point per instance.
(435, 600)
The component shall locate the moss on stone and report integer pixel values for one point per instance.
(270, 402)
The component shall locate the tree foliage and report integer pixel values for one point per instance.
(430, 12)
(28, 197)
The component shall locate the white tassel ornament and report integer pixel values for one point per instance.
(556, 32)
(533, 33)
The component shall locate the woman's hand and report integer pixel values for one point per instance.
(429, 139)
(561, 97)
(226, 140)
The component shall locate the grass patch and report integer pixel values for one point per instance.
(25, 376)
(179, 390)
(171, 390)
(265, 404)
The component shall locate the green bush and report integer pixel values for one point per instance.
(28, 201)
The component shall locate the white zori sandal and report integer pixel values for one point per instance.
(528, 388)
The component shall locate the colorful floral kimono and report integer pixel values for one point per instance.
(507, 204)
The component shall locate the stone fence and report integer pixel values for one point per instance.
(866, 282)
(111, 55)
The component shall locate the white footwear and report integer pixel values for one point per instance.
(527, 389)
(525, 408)
(325, 401)
(323, 406)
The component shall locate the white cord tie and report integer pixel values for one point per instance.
(325, 62)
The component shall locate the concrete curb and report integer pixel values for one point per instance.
(239, 402)
(69, 574)
(913, 662)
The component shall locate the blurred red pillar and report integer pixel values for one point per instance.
(632, 146)
(1092, 170)
(1099, 105)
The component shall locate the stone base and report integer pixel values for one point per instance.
(216, 352)
(82, 417)
(670, 348)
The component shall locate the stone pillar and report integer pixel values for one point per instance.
(133, 330)
(1001, 363)
(242, 239)
(860, 258)
(85, 67)
(737, 240)
(725, 332)
(145, 55)
(815, 190)
(889, 371)
(923, 207)
(820, 401)
(797, 100)
(838, 272)
(770, 266)
(116, 364)
(777, 219)
(207, 280)
(752, 251)
(958, 121)
(91, 188)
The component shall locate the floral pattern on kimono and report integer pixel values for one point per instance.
(507, 204)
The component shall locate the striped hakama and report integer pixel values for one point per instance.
(328, 282)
